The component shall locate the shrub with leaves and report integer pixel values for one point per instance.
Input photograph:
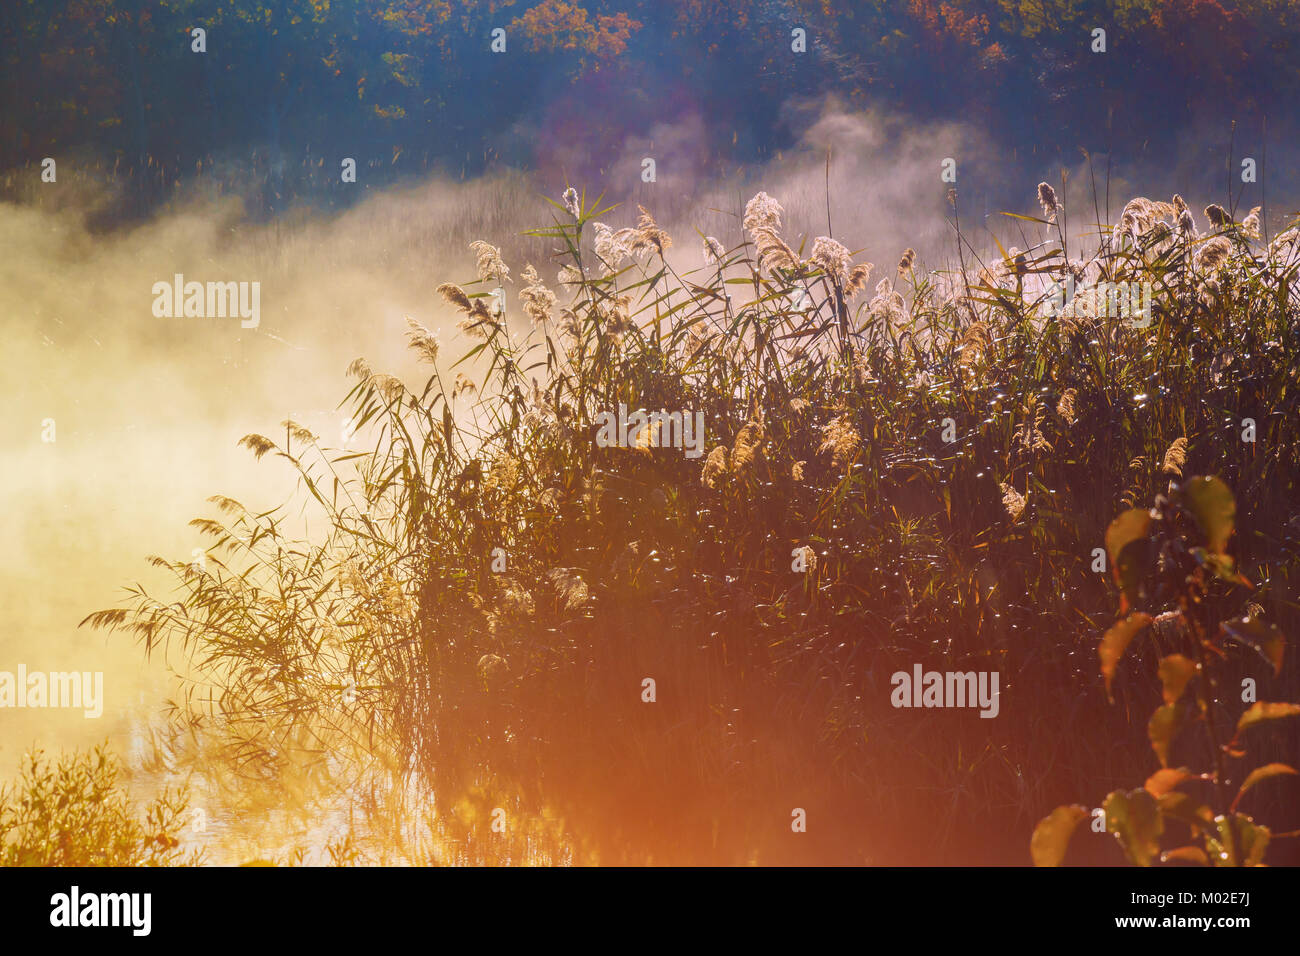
(74, 813)
(1177, 579)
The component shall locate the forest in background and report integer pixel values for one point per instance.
(284, 88)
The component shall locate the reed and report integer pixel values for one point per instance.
(388, 647)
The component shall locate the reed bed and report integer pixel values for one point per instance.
(942, 452)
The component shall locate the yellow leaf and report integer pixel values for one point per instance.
(1258, 774)
(1163, 781)
(1175, 671)
(1264, 711)
(1116, 640)
(1052, 835)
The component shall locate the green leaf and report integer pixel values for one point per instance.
(1237, 841)
(1165, 780)
(1265, 638)
(1136, 561)
(1263, 711)
(1221, 565)
(1052, 835)
(1181, 807)
(1163, 727)
(1128, 527)
(1016, 215)
(1186, 855)
(1135, 819)
(1175, 672)
(1210, 501)
(472, 352)
(1261, 773)
(1116, 640)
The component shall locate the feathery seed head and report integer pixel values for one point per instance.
(714, 252)
(841, 440)
(1013, 501)
(773, 253)
(259, 445)
(491, 267)
(715, 466)
(463, 385)
(537, 299)
(1066, 406)
(1214, 253)
(762, 212)
(858, 277)
(456, 296)
(747, 447)
(1250, 225)
(649, 233)
(1047, 199)
(422, 340)
(1175, 458)
(831, 257)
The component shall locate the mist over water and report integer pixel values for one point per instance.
(147, 412)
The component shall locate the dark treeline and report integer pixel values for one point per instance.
(287, 88)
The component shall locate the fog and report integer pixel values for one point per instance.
(145, 413)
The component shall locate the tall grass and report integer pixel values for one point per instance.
(386, 646)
